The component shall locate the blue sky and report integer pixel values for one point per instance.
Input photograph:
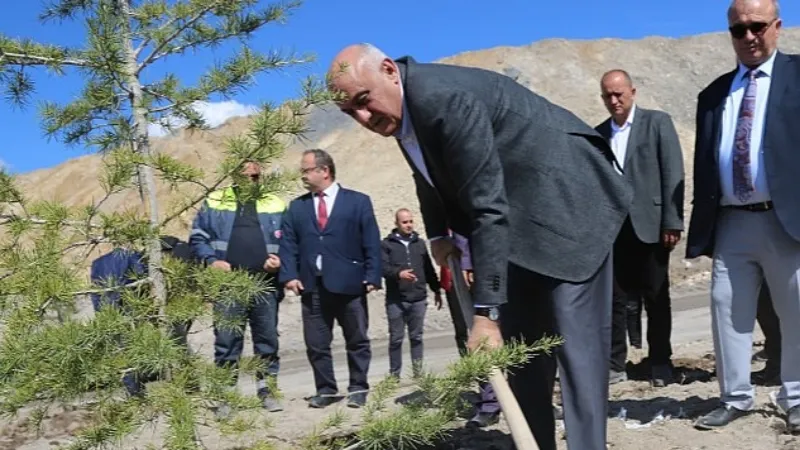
(426, 30)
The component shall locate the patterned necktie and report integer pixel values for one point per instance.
(742, 177)
(322, 211)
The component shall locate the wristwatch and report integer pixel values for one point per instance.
(490, 312)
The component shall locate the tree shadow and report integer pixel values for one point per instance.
(418, 397)
(646, 410)
(474, 439)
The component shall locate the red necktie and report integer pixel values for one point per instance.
(322, 211)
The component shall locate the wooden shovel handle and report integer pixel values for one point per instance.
(523, 438)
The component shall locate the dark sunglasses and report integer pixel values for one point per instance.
(739, 30)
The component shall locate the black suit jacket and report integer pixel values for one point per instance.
(654, 167)
(780, 147)
(526, 180)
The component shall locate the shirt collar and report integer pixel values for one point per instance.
(331, 190)
(628, 121)
(406, 128)
(765, 67)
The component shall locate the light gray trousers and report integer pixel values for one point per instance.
(751, 248)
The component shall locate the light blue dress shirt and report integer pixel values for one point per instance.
(730, 115)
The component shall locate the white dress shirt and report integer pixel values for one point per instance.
(330, 199)
(408, 138)
(620, 135)
(730, 115)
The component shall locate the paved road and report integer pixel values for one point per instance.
(691, 322)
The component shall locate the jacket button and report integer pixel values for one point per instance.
(320, 238)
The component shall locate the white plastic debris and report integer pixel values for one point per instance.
(634, 425)
(773, 399)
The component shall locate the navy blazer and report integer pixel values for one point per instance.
(781, 160)
(350, 244)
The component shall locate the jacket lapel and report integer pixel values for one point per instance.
(605, 130)
(341, 199)
(777, 93)
(718, 107)
(312, 213)
(405, 66)
(637, 136)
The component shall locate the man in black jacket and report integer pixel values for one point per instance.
(407, 268)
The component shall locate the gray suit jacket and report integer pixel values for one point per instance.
(781, 159)
(654, 167)
(525, 180)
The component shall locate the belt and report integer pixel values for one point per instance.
(752, 207)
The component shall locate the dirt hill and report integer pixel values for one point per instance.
(667, 72)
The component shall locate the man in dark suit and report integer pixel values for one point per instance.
(533, 189)
(331, 254)
(649, 156)
(746, 215)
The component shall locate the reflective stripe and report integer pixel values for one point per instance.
(270, 204)
(225, 200)
(219, 245)
(201, 233)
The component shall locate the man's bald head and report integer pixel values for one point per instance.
(618, 94)
(368, 85)
(774, 4)
(404, 221)
(754, 26)
(617, 75)
(354, 59)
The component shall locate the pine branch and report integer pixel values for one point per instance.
(136, 283)
(197, 199)
(93, 241)
(47, 239)
(65, 9)
(156, 53)
(34, 60)
(148, 90)
(161, 109)
(9, 218)
(145, 42)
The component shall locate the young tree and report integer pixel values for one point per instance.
(42, 259)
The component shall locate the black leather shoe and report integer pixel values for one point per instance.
(719, 417)
(482, 419)
(357, 400)
(793, 420)
(321, 401)
(661, 375)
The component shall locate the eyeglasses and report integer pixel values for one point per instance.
(308, 169)
(739, 30)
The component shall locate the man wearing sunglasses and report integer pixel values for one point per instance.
(746, 215)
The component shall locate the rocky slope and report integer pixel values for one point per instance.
(667, 72)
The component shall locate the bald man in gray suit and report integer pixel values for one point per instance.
(533, 189)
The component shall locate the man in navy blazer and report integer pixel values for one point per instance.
(331, 253)
(746, 215)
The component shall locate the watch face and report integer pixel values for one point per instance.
(494, 314)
